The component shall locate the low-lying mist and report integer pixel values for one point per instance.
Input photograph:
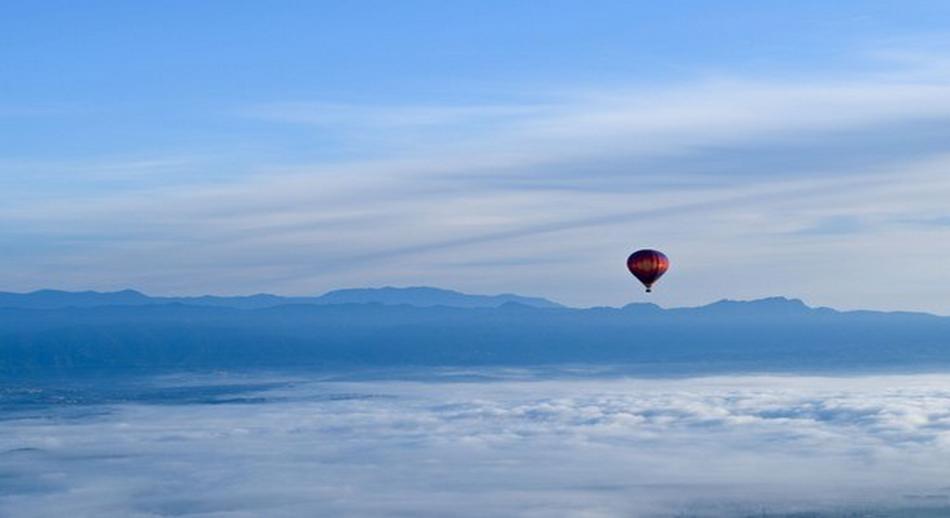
(515, 443)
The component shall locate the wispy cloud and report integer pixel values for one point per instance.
(383, 116)
(714, 171)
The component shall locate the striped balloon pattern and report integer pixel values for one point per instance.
(648, 266)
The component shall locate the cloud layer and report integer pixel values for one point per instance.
(516, 447)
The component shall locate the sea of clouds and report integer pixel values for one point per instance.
(458, 446)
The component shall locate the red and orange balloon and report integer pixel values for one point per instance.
(648, 266)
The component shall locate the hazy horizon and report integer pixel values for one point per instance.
(407, 292)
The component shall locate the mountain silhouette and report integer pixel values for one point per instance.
(413, 296)
(774, 334)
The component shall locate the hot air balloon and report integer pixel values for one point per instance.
(648, 266)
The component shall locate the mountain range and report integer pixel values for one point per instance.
(415, 296)
(380, 329)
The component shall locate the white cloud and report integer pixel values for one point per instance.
(585, 447)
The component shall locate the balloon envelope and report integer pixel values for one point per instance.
(648, 266)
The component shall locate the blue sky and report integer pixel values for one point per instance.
(794, 149)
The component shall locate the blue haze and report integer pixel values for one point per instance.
(50, 333)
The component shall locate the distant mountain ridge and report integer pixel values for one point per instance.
(773, 334)
(422, 296)
(419, 296)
